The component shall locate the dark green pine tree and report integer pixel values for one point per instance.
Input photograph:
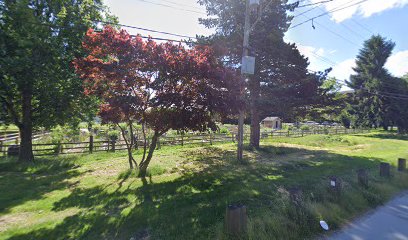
(371, 83)
(398, 110)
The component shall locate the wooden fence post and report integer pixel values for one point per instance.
(91, 143)
(385, 169)
(1, 147)
(58, 149)
(211, 143)
(108, 142)
(402, 164)
(182, 139)
(362, 177)
(236, 220)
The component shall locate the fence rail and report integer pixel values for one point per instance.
(44, 149)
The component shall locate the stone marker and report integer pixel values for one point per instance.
(402, 164)
(362, 177)
(236, 220)
(385, 169)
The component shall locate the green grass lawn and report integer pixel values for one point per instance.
(95, 197)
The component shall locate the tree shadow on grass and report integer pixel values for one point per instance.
(193, 205)
(22, 182)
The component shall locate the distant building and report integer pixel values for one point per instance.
(272, 122)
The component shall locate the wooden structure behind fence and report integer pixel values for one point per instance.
(43, 149)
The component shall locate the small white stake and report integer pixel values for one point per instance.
(324, 225)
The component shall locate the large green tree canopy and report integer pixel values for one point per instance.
(370, 81)
(38, 41)
(281, 75)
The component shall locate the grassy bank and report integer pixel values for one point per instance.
(94, 197)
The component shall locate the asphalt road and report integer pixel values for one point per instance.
(386, 222)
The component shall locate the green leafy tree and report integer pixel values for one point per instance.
(331, 103)
(371, 104)
(398, 99)
(38, 41)
(281, 74)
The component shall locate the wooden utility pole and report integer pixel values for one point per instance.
(247, 30)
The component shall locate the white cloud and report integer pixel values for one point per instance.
(397, 64)
(313, 54)
(344, 69)
(365, 9)
(320, 52)
(319, 58)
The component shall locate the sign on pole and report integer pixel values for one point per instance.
(248, 65)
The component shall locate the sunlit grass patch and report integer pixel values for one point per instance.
(96, 196)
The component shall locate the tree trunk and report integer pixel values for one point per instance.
(131, 160)
(26, 130)
(129, 143)
(254, 98)
(144, 164)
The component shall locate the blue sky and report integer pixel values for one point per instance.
(334, 42)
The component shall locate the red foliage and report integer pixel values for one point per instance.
(163, 85)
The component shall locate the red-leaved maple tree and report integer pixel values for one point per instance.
(160, 86)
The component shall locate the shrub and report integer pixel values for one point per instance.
(305, 128)
(113, 135)
(224, 130)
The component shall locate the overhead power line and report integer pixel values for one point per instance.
(324, 59)
(362, 26)
(309, 10)
(144, 29)
(382, 93)
(343, 24)
(328, 12)
(142, 36)
(331, 31)
(313, 4)
(135, 27)
(181, 4)
(319, 6)
(337, 34)
(173, 7)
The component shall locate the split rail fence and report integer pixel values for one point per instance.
(43, 149)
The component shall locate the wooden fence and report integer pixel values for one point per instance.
(14, 136)
(90, 146)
